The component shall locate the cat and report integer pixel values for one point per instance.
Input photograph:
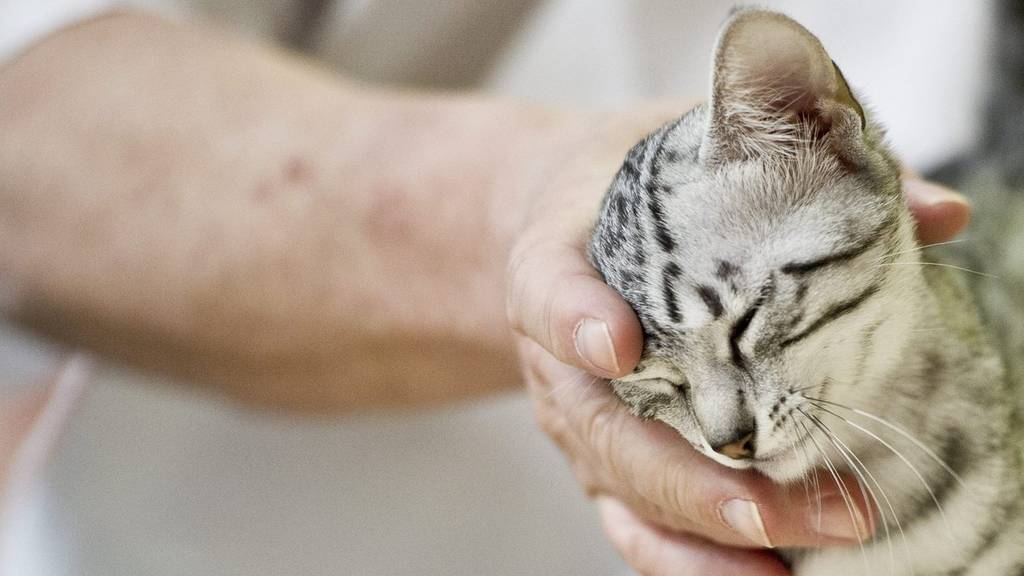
(792, 321)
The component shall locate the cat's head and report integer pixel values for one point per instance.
(753, 238)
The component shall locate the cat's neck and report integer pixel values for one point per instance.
(950, 392)
(947, 393)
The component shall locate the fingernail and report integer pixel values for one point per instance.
(744, 517)
(933, 194)
(594, 344)
(836, 521)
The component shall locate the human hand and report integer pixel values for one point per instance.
(668, 509)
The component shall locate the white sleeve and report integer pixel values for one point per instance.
(24, 22)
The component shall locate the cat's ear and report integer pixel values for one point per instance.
(773, 85)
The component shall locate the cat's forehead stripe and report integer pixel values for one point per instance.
(712, 300)
(834, 313)
(805, 267)
(668, 279)
(726, 270)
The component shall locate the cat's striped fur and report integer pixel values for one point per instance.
(792, 322)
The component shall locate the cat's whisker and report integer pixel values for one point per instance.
(843, 489)
(861, 469)
(889, 505)
(941, 265)
(581, 391)
(816, 481)
(906, 461)
(564, 387)
(803, 389)
(805, 462)
(927, 330)
(836, 442)
(917, 249)
(808, 471)
(817, 493)
(907, 435)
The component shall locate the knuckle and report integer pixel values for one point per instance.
(551, 424)
(674, 491)
(518, 272)
(549, 327)
(549, 419)
(602, 431)
(535, 280)
(517, 283)
(529, 300)
(534, 363)
(676, 502)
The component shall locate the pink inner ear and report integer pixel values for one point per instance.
(774, 85)
(782, 63)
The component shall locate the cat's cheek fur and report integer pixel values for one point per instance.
(657, 390)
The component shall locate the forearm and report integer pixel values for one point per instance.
(189, 203)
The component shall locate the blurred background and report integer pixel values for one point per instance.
(124, 473)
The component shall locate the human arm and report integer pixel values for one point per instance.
(191, 203)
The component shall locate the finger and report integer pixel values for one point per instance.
(650, 467)
(941, 213)
(827, 510)
(651, 550)
(560, 302)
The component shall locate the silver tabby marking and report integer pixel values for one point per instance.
(792, 322)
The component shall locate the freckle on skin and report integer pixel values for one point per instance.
(297, 171)
(262, 192)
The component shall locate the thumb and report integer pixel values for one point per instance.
(559, 301)
(941, 213)
(556, 298)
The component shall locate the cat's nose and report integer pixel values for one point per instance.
(740, 448)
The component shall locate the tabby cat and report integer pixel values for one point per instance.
(793, 323)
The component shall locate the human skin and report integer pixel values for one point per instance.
(185, 202)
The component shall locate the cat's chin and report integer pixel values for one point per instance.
(783, 468)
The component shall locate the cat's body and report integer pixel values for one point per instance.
(764, 244)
